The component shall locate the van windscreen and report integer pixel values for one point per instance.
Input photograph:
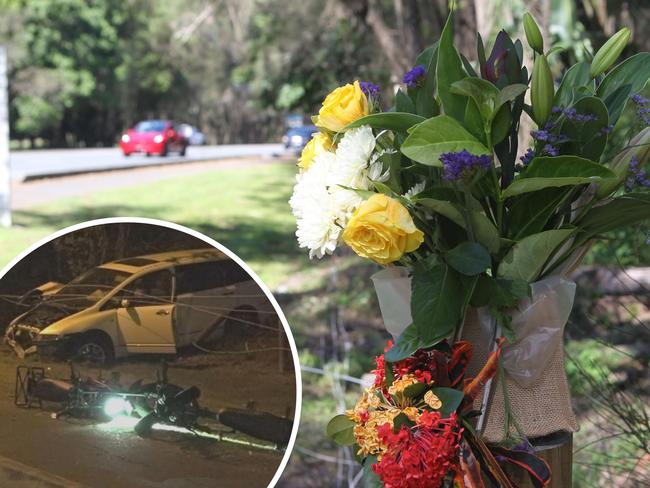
(93, 285)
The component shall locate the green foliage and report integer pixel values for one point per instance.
(468, 258)
(341, 430)
(435, 136)
(395, 121)
(527, 257)
(552, 172)
(451, 399)
(436, 302)
(628, 77)
(449, 69)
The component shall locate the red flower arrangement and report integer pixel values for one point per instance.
(413, 426)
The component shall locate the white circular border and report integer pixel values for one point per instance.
(229, 253)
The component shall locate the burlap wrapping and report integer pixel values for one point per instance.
(537, 386)
(540, 409)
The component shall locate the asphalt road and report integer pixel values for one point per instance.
(54, 162)
(92, 454)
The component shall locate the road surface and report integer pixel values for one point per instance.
(54, 162)
(26, 194)
(91, 454)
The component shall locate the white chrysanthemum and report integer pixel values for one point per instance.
(353, 155)
(315, 209)
(325, 198)
(415, 189)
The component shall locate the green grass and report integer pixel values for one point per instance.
(245, 209)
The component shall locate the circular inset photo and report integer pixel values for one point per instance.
(139, 353)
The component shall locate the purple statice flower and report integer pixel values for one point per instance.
(528, 157)
(572, 114)
(636, 175)
(543, 135)
(413, 77)
(642, 110)
(463, 165)
(551, 150)
(370, 89)
(556, 110)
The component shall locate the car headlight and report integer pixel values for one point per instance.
(296, 139)
(158, 138)
(126, 138)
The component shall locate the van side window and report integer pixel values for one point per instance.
(193, 278)
(151, 289)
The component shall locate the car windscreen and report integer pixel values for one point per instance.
(90, 287)
(151, 126)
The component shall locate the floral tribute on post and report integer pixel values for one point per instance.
(477, 238)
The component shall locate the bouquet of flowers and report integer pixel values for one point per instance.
(412, 426)
(437, 188)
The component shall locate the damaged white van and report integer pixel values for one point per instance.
(146, 304)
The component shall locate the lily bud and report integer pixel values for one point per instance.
(533, 34)
(541, 90)
(609, 53)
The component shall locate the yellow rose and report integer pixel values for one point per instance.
(381, 229)
(318, 144)
(342, 107)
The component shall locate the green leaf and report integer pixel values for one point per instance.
(402, 419)
(435, 136)
(406, 344)
(341, 430)
(468, 258)
(575, 77)
(506, 293)
(370, 478)
(449, 70)
(425, 101)
(526, 259)
(403, 103)
(546, 172)
(501, 124)
(485, 231)
(634, 71)
(436, 300)
(474, 122)
(450, 398)
(509, 93)
(413, 391)
(482, 291)
(395, 121)
(392, 162)
(481, 91)
(499, 292)
(530, 212)
(620, 212)
(586, 139)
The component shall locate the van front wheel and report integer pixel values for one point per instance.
(95, 347)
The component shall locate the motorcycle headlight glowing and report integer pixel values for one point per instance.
(115, 406)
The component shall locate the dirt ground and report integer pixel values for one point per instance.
(92, 453)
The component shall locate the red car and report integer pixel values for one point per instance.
(154, 137)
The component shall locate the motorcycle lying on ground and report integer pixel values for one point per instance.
(161, 404)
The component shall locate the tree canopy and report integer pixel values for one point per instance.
(81, 71)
